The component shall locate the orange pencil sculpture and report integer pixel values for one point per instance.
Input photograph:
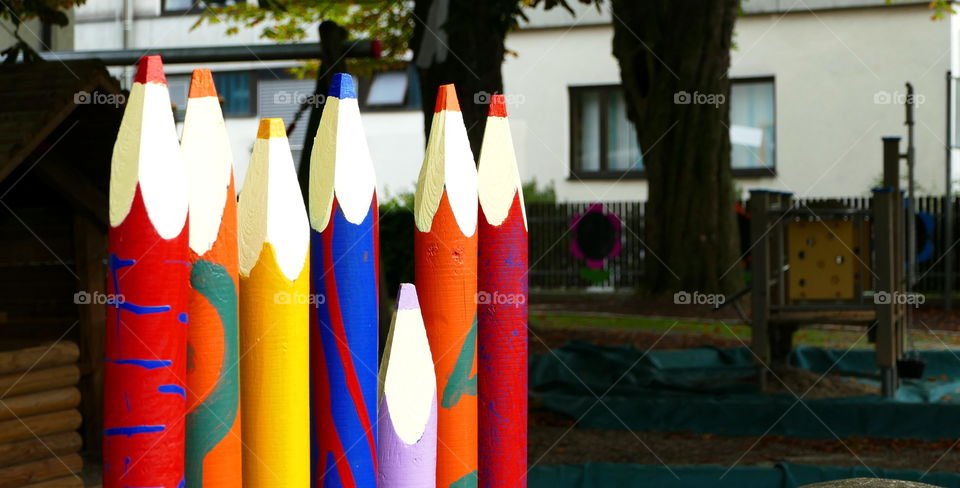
(213, 447)
(445, 251)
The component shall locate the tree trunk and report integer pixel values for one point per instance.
(332, 61)
(674, 57)
(464, 48)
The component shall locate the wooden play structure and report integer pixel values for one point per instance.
(39, 442)
(832, 265)
(53, 220)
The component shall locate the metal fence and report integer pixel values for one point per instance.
(552, 262)
(554, 266)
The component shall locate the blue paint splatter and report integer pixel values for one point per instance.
(173, 390)
(115, 263)
(145, 363)
(183, 482)
(126, 399)
(182, 318)
(136, 429)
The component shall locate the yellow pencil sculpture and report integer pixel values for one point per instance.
(274, 333)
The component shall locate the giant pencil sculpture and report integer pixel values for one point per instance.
(502, 308)
(344, 268)
(344, 249)
(407, 447)
(445, 253)
(213, 447)
(146, 338)
(274, 333)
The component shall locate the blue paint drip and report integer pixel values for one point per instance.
(126, 400)
(183, 482)
(115, 263)
(342, 86)
(145, 363)
(182, 318)
(133, 430)
(126, 465)
(173, 390)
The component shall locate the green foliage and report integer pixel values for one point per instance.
(17, 12)
(396, 242)
(288, 20)
(390, 21)
(534, 194)
(399, 203)
(49, 11)
(940, 8)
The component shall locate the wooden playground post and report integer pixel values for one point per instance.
(407, 447)
(501, 308)
(146, 339)
(274, 322)
(889, 243)
(213, 447)
(344, 312)
(759, 207)
(445, 262)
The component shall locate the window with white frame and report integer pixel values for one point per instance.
(604, 142)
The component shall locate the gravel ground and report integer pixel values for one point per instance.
(553, 438)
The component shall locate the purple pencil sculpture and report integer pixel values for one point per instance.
(407, 447)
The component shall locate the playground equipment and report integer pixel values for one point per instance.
(213, 447)
(146, 339)
(445, 254)
(501, 309)
(178, 284)
(832, 265)
(344, 240)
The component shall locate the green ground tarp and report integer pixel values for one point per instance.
(711, 390)
(783, 475)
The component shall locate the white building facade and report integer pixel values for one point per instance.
(816, 84)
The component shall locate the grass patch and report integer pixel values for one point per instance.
(826, 337)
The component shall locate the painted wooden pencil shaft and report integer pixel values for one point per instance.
(502, 309)
(213, 446)
(345, 261)
(144, 397)
(407, 447)
(274, 335)
(445, 250)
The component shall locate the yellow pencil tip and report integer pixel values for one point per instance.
(270, 128)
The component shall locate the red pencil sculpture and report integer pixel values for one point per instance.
(502, 308)
(146, 340)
